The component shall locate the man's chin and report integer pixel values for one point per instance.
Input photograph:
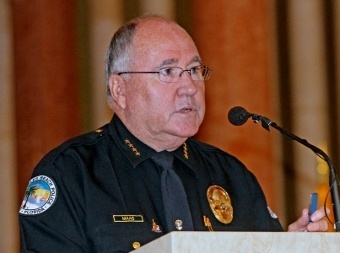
(186, 132)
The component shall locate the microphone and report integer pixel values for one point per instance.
(238, 116)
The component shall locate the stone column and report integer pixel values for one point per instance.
(8, 191)
(309, 91)
(165, 7)
(105, 18)
(45, 79)
(336, 6)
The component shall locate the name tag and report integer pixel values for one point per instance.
(128, 218)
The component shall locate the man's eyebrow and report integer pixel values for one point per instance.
(196, 59)
(174, 60)
(168, 62)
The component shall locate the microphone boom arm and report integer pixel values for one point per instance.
(333, 179)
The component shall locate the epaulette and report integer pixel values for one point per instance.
(83, 139)
(87, 138)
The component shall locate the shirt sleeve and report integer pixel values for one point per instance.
(48, 219)
(266, 219)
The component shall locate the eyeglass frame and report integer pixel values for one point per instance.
(205, 77)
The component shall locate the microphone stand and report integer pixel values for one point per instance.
(333, 180)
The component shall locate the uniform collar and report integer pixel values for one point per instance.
(136, 151)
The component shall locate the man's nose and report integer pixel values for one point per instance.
(187, 86)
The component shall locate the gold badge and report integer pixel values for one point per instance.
(220, 204)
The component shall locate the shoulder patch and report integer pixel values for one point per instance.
(40, 195)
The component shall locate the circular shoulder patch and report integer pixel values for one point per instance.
(40, 195)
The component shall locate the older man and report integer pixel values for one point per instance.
(142, 176)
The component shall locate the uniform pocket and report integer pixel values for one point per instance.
(120, 236)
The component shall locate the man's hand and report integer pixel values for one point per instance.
(318, 222)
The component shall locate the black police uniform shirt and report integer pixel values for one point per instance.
(82, 191)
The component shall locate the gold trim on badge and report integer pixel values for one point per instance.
(128, 218)
(220, 204)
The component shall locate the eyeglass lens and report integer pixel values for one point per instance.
(172, 74)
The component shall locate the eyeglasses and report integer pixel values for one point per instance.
(172, 74)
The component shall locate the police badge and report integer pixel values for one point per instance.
(220, 204)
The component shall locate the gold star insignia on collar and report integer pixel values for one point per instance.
(132, 147)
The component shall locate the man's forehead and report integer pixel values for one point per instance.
(165, 44)
(162, 34)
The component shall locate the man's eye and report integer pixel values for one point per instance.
(166, 71)
(195, 70)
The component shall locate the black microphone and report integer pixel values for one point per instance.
(238, 116)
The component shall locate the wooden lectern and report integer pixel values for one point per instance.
(276, 242)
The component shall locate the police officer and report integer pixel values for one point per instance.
(104, 192)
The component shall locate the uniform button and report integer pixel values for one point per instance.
(136, 245)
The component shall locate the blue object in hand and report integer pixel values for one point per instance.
(313, 204)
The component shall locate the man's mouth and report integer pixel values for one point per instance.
(187, 109)
(184, 110)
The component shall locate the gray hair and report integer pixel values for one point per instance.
(119, 53)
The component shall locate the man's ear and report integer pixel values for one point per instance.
(117, 90)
